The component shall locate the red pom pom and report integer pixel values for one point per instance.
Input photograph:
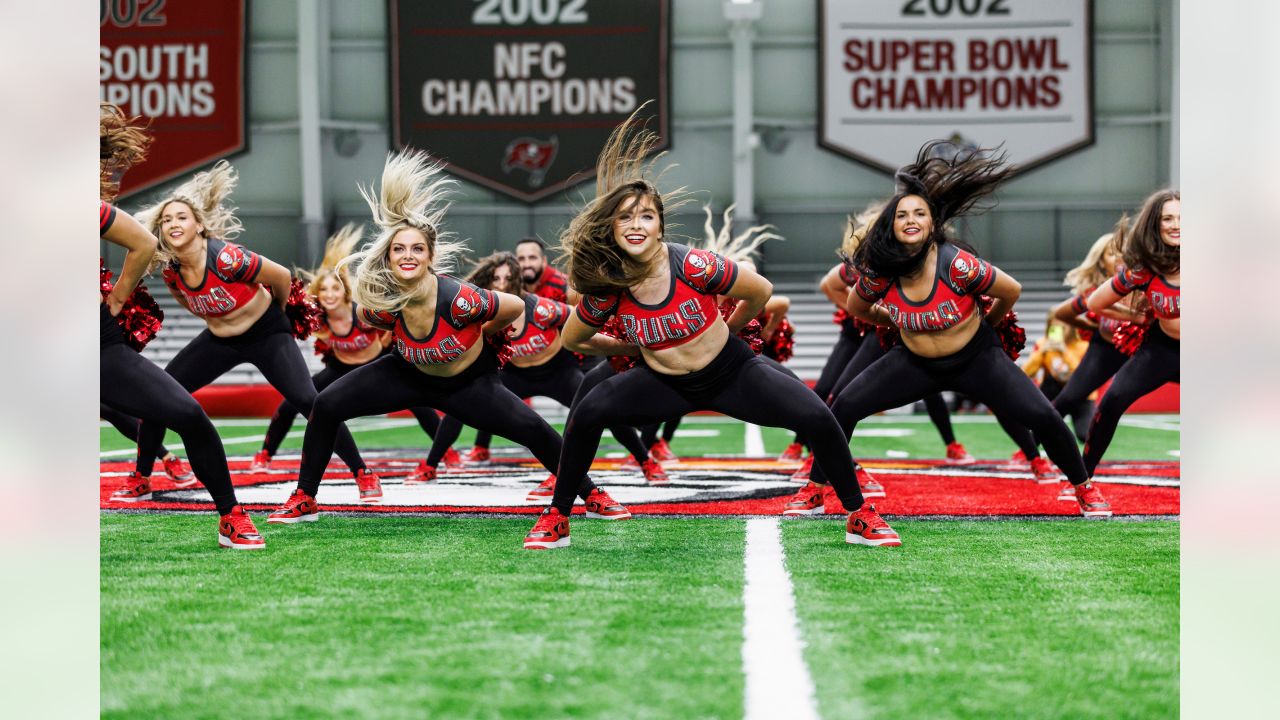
(1012, 337)
(501, 344)
(838, 317)
(140, 317)
(620, 363)
(781, 346)
(888, 336)
(301, 309)
(751, 334)
(1128, 337)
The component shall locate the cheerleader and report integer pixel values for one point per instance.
(1152, 268)
(913, 278)
(127, 425)
(539, 365)
(439, 324)
(239, 294)
(344, 343)
(128, 382)
(663, 296)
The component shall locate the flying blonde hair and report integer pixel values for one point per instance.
(338, 246)
(206, 194)
(594, 262)
(413, 195)
(122, 143)
(1092, 272)
(743, 247)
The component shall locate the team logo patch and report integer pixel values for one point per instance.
(544, 314)
(598, 307)
(701, 266)
(468, 305)
(231, 260)
(531, 155)
(964, 271)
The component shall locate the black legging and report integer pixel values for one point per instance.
(475, 396)
(649, 433)
(136, 386)
(1153, 365)
(126, 424)
(980, 369)
(842, 352)
(736, 382)
(1100, 362)
(1081, 412)
(558, 379)
(282, 419)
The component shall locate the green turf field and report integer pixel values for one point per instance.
(448, 617)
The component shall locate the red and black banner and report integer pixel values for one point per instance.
(181, 66)
(520, 95)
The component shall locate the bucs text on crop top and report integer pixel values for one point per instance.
(229, 273)
(697, 276)
(553, 284)
(1165, 299)
(543, 319)
(461, 311)
(960, 278)
(361, 336)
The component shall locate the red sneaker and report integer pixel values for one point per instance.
(661, 451)
(369, 485)
(1018, 458)
(452, 460)
(300, 507)
(236, 531)
(545, 489)
(793, 453)
(866, 527)
(476, 456)
(422, 475)
(1092, 504)
(603, 507)
(956, 454)
(1044, 471)
(551, 531)
(653, 472)
(807, 500)
(136, 489)
(869, 486)
(802, 475)
(629, 464)
(1067, 491)
(179, 473)
(261, 461)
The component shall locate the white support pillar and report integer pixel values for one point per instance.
(312, 226)
(1175, 127)
(742, 15)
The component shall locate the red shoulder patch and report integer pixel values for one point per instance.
(699, 266)
(232, 260)
(468, 305)
(964, 270)
(544, 313)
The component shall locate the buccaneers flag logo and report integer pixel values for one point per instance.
(531, 155)
(468, 305)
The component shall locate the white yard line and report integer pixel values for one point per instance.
(778, 684)
(242, 439)
(753, 443)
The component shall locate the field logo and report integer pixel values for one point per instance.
(531, 155)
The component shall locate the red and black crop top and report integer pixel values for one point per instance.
(543, 319)
(361, 336)
(960, 278)
(461, 311)
(697, 276)
(1165, 298)
(229, 273)
(1080, 306)
(553, 285)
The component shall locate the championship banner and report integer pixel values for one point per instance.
(520, 95)
(180, 65)
(894, 74)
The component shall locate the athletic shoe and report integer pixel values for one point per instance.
(300, 507)
(1018, 458)
(653, 472)
(179, 472)
(551, 531)
(452, 460)
(802, 475)
(603, 507)
(1091, 501)
(236, 531)
(422, 475)
(1067, 491)
(1044, 471)
(136, 489)
(807, 500)
(477, 455)
(661, 451)
(629, 464)
(866, 527)
(956, 454)
(261, 461)
(869, 486)
(545, 489)
(370, 486)
(793, 453)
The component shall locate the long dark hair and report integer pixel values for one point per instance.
(482, 274)
(1144, 248)
(951, 186)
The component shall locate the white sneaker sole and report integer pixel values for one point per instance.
(140, 498)
(811, 511)
(371, 499)
(855, 539)
(290, 521)
(598, 516)
(225, 542)
(543, 545)
(872, 493)
(537, 498)
(1095, 513)
(1050, 480)
(184, 484)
